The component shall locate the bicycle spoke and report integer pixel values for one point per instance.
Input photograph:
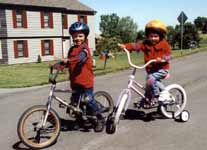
(31, 129)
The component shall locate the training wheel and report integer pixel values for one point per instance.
(184, 116)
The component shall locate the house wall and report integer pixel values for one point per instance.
(3, 35)
(91, 37)
(0, 50)
(34, 26)
(34, 34)
(34, 49)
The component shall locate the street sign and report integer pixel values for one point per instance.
(182, 18)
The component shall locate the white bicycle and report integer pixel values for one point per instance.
(171, 101)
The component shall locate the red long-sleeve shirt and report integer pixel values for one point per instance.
(160, 50)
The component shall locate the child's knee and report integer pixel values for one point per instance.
(150, 80)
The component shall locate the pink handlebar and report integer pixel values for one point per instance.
(135, 66)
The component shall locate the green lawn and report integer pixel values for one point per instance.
(25, 75)
(203, 42)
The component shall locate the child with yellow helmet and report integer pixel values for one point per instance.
(154, 47)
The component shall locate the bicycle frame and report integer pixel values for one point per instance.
(49, 102)
(132, 84)
(60, 100)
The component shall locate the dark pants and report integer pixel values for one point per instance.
(87, 94)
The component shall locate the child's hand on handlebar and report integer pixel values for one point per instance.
(121, 45)
(65, 60)
(159, 60)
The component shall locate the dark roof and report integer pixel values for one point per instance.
(73, 5)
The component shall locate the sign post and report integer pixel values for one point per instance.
(182, 18)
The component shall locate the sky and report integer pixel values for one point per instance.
(143, 11)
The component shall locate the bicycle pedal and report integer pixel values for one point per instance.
(61, 106)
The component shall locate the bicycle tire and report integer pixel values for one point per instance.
(108, 104)
(120, 106)
(181, 107)
(110, 126)
(52, 122)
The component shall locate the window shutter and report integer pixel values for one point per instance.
(24, 18)
(85, 19)
(79, 18)
(51, 19)
(42, 19)
(25, 48)
(42, 47)
(51, 47)
(15, 50)
(14, 17)
(65, 23)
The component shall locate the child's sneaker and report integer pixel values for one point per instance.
(100, 123)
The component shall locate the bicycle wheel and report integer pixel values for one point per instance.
(104, 100)
(31, 131)
(120, 107)
(173, 109)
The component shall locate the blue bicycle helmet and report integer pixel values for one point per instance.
(79, 26)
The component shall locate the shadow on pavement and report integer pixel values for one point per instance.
(66, 125)
(78, 124)
(132, 114)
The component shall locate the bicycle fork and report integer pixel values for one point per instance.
(125, 94)
(48, 104)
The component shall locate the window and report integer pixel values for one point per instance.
(65, 21)
(46, 19)
(47, 47)
(82, 19)
(20, 48)
(19, 18)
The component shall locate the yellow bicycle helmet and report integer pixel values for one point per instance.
(156, 26)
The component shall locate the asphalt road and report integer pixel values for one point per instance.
(134, 133)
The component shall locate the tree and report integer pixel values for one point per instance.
(200, 22)
(108, 44)
(205, 28)
(108, 25)
(116, 30)
(140, 35)
(171, 34)
(127, 29)
(190, 34)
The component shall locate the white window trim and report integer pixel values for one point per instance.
(0, 50)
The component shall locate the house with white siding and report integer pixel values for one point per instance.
(32, 28)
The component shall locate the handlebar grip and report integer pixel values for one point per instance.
(61, 62)
(52, 76)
